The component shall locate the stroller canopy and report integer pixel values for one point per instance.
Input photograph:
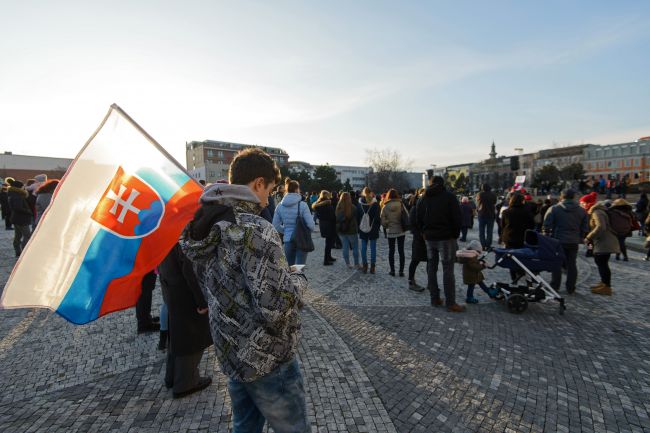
(540, 253)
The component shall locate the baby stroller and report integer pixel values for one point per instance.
(540, 253)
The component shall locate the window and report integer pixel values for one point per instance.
(220, 154)
(210, 153)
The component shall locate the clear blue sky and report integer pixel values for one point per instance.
(437, 81)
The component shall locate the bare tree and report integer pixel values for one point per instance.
(388, 170)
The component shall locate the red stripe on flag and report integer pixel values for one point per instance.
(123, 292)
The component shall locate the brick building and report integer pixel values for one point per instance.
(209, 160)
(23, 167)
(629, 161)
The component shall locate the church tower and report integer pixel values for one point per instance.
(493, 152)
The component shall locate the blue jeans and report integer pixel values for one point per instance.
(347, 241)
(470, 289)
(294, 255)
(164, 315)
(485, 229)
(364, 251)
(278, 397)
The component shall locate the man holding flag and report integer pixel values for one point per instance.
(253, 297)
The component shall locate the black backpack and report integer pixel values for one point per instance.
(301, 236)
(620, 222)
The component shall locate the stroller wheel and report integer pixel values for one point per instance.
(517, 303)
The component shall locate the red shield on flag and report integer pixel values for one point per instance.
(129, 208)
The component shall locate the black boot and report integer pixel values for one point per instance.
(162, 343)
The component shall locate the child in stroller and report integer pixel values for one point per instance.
(540, 253)
(473, 261)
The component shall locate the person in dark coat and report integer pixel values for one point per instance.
(486, 201)
(514, 222)
(4, 204)
(21, 215)
(368, 204)
(269, 210)
(418, 247)
(189, 328)
(466, 218)
(327, 224)
(438, 218)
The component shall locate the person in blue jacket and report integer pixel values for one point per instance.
(284, 220)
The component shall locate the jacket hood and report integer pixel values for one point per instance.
(218, 203)
(598, 206)
(13, 189)
(48, 187)
(322, 203)
(395, 202)
(434, 190)
(291, 199)
(228, 195)
(568, 205)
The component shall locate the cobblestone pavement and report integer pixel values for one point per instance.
(375, 356)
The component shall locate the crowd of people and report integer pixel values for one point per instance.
(234, 280)
(22, 205)
(345, 218)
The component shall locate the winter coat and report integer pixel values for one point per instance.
(21, 214)
(347, 226)
(567, 222)
(438, 214)
(418, 246)
(514, 223)
(44, 197)
(189, 331)
(31, 202)
(326, 218)
(472, 270)
(601, 234)
(466, 215)
(269, 210)
(486, 202)
(373, 213)
(253, 297)
(286, 214)
(641, 206)
(391, 218)
(4, 203)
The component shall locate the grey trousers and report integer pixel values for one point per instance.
(182, 372)
(445, 252)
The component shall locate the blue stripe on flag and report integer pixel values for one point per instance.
(108, 257)
(167, 185)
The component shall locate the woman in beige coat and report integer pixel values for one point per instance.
(391, 220)
(605, 244)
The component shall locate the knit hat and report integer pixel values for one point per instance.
(17, 184)
(589, 199)
(40, 178)
(475, 245)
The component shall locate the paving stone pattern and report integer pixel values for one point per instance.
(375, 357)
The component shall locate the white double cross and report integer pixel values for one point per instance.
(127, 205)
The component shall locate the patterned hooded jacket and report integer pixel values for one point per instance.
(253, 297)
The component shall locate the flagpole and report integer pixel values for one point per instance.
(150, 138)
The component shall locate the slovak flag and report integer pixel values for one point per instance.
(118, 211)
